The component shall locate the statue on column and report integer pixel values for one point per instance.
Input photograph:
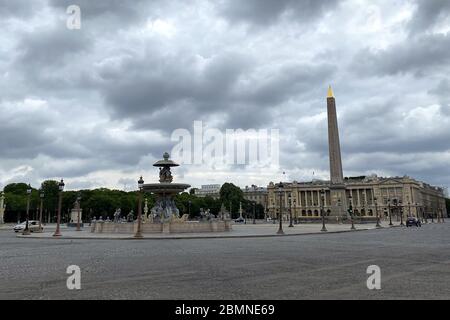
(2, 208)
(147, 217)
(240, 211)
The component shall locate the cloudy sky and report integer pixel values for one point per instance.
(97, 106)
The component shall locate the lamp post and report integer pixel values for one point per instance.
(432, 216)
(274, 210)
(280, 193)
(58, 217)
(400, 204)
(78, 211)
(322, 211)
(26, 231)
(138, 233)
(189, 208)
(295, 211)
(409, 209)
(41, 195)
(254, 214)
(290, 211)
(350, 211)
(390, 214)
(376, 212)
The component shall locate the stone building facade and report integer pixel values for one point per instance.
(211, 190)
(369, 194)
(256, 194)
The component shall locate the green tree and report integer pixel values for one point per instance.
(16, 188)
(50, 189)
(231, 194)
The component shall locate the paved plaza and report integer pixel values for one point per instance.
(414, 262)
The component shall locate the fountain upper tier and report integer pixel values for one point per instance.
(166, 162)
(165, 185)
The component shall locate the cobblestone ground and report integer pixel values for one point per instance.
(414, 262)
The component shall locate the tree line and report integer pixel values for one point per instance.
(104, 202)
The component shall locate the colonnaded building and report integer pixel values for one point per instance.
(367, 195)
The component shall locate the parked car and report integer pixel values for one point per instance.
(411, 221)
(239, 220)
(33, 225)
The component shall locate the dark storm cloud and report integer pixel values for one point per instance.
(428, 13)
(441, 92)
(18, 8)
(420, 56)
(264, 12)
(117, 10)
(50, 48)
(151, 88)
(172, 92)
(289, 80)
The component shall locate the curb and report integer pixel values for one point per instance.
(196, 237)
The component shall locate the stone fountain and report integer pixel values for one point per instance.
(165, 209)
(165, 217)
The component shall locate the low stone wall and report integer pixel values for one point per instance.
(111, 227)
(172, 227)
(196, 226)
(334, 219)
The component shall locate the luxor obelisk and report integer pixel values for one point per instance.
(337, 186)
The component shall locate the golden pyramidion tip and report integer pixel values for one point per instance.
(330, 93)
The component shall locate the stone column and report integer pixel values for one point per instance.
(358, 197)
(299, 198)
(306, 199)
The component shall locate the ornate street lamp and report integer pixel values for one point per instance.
(350, 211)
(280, 193)
(274, 211)
(139, 217)
(322, 211)
(78, 209)
(389, 211)
(409, 209)
(290, 211)
(189, 208)
(26, 231)
(41, 195)
(400, 210)
(254, 214)
(295, 212)
(58, 217)
(378, 225)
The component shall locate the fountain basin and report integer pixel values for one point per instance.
(165, 188)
